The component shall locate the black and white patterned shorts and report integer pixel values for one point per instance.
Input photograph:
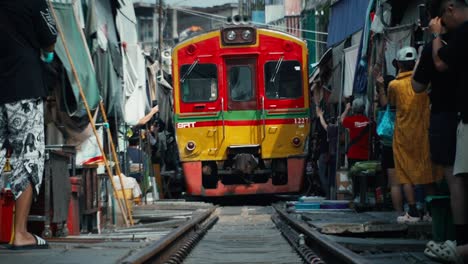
(22, 125)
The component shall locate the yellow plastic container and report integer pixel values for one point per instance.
(128, 195)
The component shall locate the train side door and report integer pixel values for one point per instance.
(242, 103)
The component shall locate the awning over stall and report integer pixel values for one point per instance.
(105, 50)
(347, 17)
(81, 58)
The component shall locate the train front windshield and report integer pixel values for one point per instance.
(240, 83)
(283, 79)
(199, 83)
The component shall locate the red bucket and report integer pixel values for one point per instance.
(7, 205)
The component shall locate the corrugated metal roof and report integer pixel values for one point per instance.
(347, 17)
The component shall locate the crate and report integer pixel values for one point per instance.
(307, 206)
(334, 204)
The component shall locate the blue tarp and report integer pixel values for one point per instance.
(347, 17)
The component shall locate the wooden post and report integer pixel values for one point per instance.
(116, 159)
(159, 181)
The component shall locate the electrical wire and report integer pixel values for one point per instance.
(208, 15)
(223, 21)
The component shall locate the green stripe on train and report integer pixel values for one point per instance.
(243, 115)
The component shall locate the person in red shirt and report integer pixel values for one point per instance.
(358, 125)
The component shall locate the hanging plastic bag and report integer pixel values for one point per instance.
(387, 125)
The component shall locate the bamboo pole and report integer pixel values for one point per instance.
(116, 159)
(123, 209)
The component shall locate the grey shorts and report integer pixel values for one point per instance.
(461, 156)
(22, 125)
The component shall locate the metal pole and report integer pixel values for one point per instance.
(337, 164)
(160, 31)
(241, 8)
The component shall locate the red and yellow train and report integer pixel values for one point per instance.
(241, 104)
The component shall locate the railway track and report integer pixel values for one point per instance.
(267, 234)
(231, 234)
(243, 235)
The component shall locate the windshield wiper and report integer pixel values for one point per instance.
(277, 67)
(190, 69)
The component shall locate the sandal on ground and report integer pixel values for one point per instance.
(407, 219)
(40, 244)
(446, 252)
(427, 218)
(429, 254)
(427, 250)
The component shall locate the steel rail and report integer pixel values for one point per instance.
(185, 249)
(158, 248)
(297, 241)
(340, 253)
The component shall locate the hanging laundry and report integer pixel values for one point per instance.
(395, 39)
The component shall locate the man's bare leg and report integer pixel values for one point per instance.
(395, 191)
(22, 208)
(459, 202)
(409, 194)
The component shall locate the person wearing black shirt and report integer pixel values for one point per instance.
(453, 15)
(327, 158)
(443, 120)
(28, 36)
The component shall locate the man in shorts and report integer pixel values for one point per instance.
(28, 36)
(443, 115)
(453, 15)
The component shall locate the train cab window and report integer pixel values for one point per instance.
(199, 82)
(240, 83)
(283, 79)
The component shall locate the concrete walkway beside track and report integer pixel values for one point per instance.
(112, 245)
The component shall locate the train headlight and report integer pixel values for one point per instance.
(190, 146)
(239, 35)
(231, 35)
(296, 142)
(246, 35)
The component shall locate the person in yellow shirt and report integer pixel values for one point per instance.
(411, 138)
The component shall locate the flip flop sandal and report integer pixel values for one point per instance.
(40, 244)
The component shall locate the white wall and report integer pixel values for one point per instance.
(273, 13)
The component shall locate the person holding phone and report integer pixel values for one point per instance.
(452, 15)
